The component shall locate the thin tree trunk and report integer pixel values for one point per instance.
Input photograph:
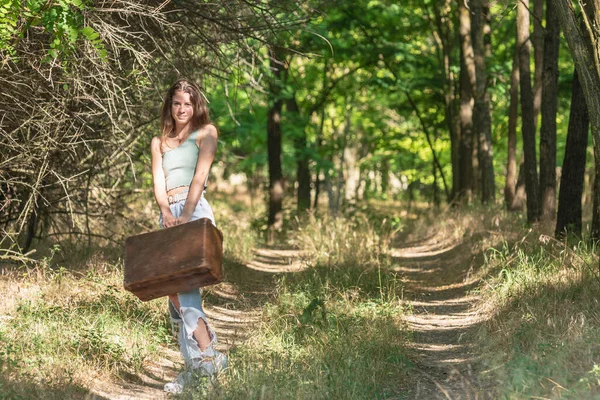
(429, 142)
(537, 40)
(445, 43)
(340, 177)
(513, 114)
(568, 219)
(475, 158)
(527, 117)
(436, 190)
(351, 172)
(549, 109)
(359, 190)
(317, 169)
(302, 166)
(276, 189)
(385, 177)
(482, 119)
(467, 83)
(320, 141)
(520, 194)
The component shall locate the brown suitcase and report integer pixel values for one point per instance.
(172, 260)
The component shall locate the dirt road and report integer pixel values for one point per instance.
(438, 276)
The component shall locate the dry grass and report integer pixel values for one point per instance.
(60, 328)
(543, 336)
(342, 241)
(540, 330)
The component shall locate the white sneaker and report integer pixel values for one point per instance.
(209, 366)
(176, 387)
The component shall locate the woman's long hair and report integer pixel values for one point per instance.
(200, 117)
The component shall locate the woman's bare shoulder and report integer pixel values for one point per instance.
(156, 144)
(207, 131)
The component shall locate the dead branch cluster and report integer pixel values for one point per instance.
(73, 130)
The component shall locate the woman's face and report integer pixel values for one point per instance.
(182, 108)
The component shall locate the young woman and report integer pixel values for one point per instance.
(181, 160)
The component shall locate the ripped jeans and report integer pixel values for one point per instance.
(191, 312)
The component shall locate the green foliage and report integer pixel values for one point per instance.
(234, 219)
(62, 21)
(9, 12)
(354, 65)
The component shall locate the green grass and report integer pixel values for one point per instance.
(235, 220)
(543, 338)
(332, 330)
(60, 328)
(319, 339)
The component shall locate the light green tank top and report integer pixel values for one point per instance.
(179, 164)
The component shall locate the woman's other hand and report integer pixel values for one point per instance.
(183, 219)
(169, 220)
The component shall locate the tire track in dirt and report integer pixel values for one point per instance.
(438, 279)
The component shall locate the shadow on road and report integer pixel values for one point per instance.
(439, 283)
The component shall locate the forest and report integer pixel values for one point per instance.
(409, 196)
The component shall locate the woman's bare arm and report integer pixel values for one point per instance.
(158, 181)
(207, 143)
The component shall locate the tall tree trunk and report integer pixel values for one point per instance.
(537, 40)
(302, 166)
(568, 219)
(444, 36)
(385, 178)
(513, 114)
(520, 194)
(351, 172)
(276, 189)
(340, 176)
(587, 63)
(549, 106)
(482, 120)
(595, 231)
(436, 190)
(527, 118)
(467, 84)
(320, 140)
(475, 157)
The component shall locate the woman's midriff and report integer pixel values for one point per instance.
(177, 190)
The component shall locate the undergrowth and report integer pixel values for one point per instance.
(332, 330)
(343, 241)
(543, 337)
(323, 336)
(62, 329)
